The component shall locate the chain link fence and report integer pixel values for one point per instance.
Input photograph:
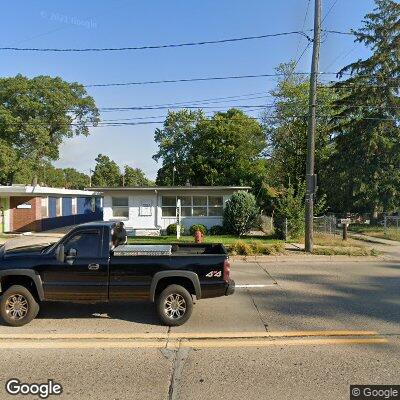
(327, 224)
(391, 222)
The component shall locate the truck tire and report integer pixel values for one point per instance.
(18, 306)
(174, 305)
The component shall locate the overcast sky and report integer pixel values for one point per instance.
(135, 23)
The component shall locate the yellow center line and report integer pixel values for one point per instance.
(174, 344)
(185, 335)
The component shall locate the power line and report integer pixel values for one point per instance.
(215, 78)
(215, 100)
(329, 11)
(302, 27)
(154, 47)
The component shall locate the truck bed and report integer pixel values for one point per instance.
(173, 249)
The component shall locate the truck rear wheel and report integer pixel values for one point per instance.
(174, 305)
(18, 306)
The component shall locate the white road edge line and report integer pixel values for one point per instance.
(253, 286)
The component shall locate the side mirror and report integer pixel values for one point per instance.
(60, 254)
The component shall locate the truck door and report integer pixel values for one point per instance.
(84, 273)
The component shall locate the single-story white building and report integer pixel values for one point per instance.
(149, 210)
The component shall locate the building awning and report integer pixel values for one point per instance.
(170, 188)
(41, 191)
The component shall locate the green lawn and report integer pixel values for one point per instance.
(224, 239)
(377, 231)
(245, 245)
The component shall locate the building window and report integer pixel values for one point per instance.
(44, 207)
(186, 206)
(120, 207)
(215, 206)
(199, 206)
(193, 206)
(168, 206)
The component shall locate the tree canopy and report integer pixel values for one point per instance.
(108, 174)
(36, 115)
(225, 149)
(365, 164)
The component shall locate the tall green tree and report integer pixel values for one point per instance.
(286, 128)
(106, 172)
(48, 175)
(75, 179)
(36, 115)
(135, 177)
(225, 149)
(366, 162)
(175, 145)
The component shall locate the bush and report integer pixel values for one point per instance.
(171, 229)
(198, 227)
(290, 208)
(240, 213)
(217, 230)
(241, 248)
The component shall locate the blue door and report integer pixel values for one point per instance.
(66, 206)
(52, 207)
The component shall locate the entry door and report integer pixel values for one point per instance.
(80, 277)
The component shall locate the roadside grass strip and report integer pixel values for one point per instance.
(176, 340)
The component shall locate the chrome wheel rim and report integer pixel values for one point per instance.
(17, 307)
(175, 306)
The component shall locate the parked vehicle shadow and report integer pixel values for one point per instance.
(139, 312)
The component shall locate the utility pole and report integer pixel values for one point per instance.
(311, 178)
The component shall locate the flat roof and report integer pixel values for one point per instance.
(27, 190)
(169, 188)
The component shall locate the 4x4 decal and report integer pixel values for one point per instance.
(214, 274)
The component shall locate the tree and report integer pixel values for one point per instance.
(75, 179)
(286, 128)
(48, 175)
(366, 162)
(225, 149)
(240, 213)
(106, 172)
(135, 177)
(175, 144)
(290, 207)
(36, 115)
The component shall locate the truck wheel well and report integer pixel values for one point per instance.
(175, 280)
(26, 281)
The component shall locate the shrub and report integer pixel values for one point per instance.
(217, 230)
(198, 227)
(240, 213)
(171, 229)
(290, 211)
(241, 248)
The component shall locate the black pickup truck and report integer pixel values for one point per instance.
(83, 266)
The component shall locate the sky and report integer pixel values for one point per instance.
(80, 24)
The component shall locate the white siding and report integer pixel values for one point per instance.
(156, 221)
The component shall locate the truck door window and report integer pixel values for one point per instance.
(86, 243)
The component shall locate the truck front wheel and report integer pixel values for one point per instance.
(17, 306)
(174, 305)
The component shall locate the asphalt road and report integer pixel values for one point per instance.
(298, 328)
